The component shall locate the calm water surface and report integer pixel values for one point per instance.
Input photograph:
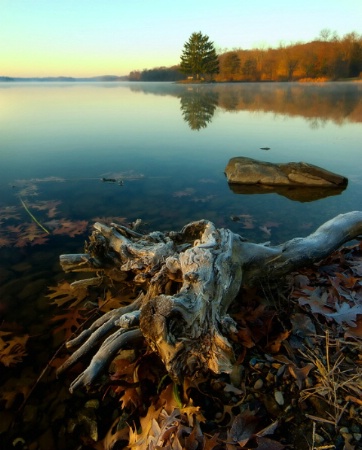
(166, 146)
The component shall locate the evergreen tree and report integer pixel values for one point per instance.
(199, 57)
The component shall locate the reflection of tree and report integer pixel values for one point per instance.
(198, 108)
(317, 103)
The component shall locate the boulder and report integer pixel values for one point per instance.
(248, 171)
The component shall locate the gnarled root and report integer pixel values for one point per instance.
(186, 282)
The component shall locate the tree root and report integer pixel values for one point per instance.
(186, 282)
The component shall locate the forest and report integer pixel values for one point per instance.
(326, 58)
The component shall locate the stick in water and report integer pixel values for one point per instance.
(34, 218)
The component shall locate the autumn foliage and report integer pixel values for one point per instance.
(328, 57)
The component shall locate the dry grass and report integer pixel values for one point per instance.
(339, 382)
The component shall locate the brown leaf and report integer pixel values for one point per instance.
(12, 348)
(193, 414)
(303, 325)
(115, 434)
(167, 399)
(210, 444)
(130, 398)
(274, 345)
(65, 293)
(245, 337)
(109, 302)
(193, 441)
(268, 444)
(354, 332)
(6, 241)
(347, 280)
(300, 374)
(316, 300)
(243, 427)
(71, 228)
(71, 321)
(14, 386)
(140, 441)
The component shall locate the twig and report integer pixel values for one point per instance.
(34, 218)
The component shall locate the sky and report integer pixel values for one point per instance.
(113, 37)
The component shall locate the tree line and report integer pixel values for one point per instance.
(328, 57)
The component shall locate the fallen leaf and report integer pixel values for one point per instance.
(316, 300)
(70, 322)
(185, 193)
(265, 230)
(210, 444)
(268, 444)
(354, 332)
(71, 228)
(300, 374)
(65, 293)
(346, 314)
(243, 427)
(12, 348)
(140, 441)
(274, 345)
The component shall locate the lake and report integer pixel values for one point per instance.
(73, 154)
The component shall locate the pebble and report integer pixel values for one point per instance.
(270, 377)
(94, 403)
(258, 383)
(318, 439)
(355, 428)
(279, 397)
(259, 366)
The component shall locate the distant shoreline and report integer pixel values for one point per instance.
(104, 78)
(114, 78)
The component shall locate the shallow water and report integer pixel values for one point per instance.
(166, 146)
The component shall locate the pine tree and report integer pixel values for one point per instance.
(199, 57)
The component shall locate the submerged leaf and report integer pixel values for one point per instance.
(65, 293)
(71, 321)
(12, 348)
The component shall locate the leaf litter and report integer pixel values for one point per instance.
(297, 373)
(302, 353)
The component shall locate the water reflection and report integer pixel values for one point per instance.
(198, 107)
(295, 193)
(317, 103)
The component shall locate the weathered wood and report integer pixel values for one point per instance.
(187, 280)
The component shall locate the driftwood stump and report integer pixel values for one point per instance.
(185, 282)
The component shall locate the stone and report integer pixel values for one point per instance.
(248, 171)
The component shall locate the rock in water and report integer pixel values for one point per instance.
(242, 170)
